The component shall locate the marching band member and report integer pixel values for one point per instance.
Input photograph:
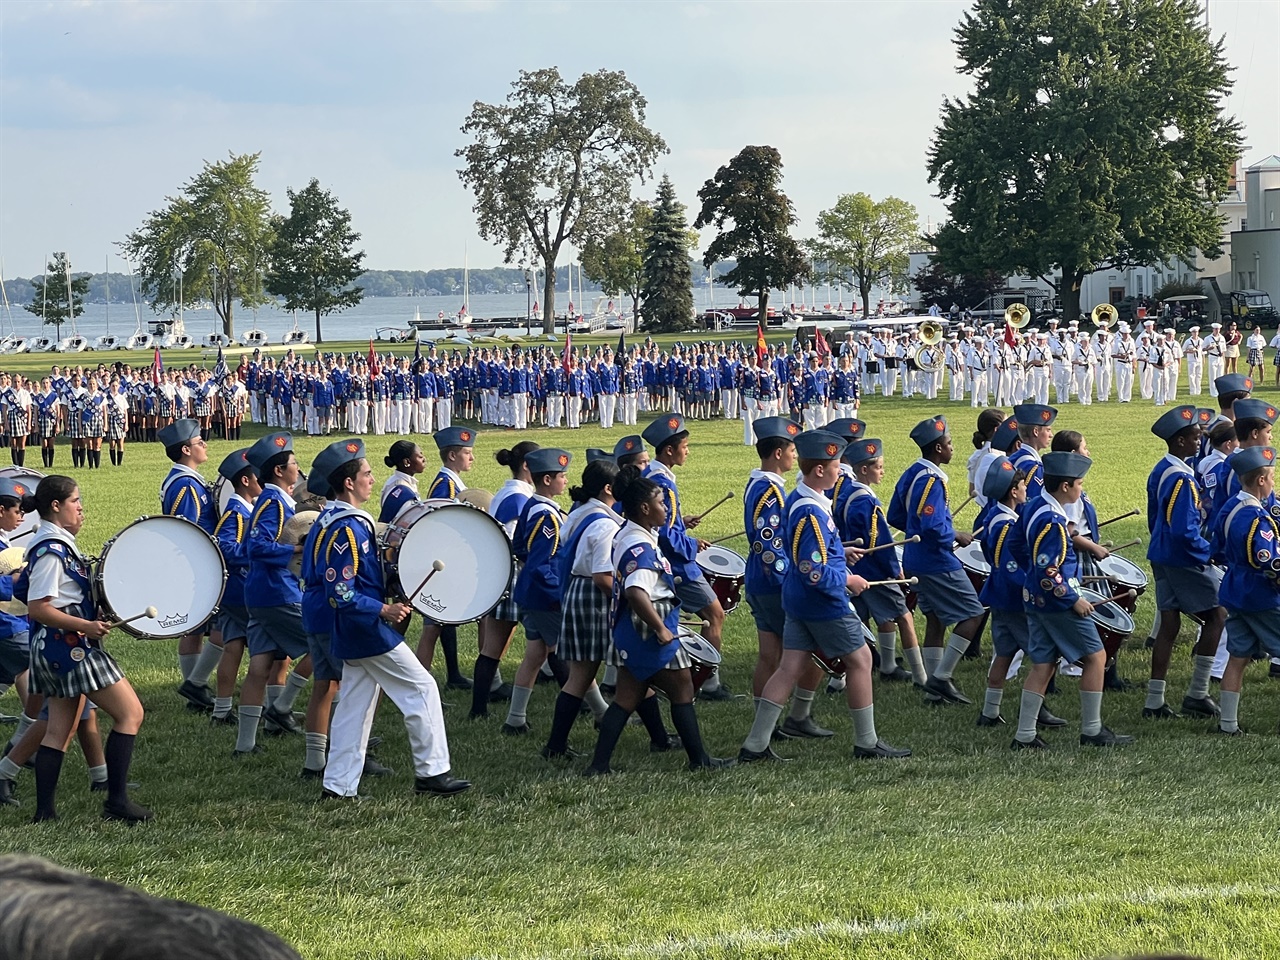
(1083, 361)
(233, 616)
(1006, 551)
(1215, 352)
(1057, 616)
(988, 420)
(1124, 355)
(1104, 366)
(374, 656)
(1035, 433)
(1193, 350)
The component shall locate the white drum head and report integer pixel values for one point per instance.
(477, 559)
(1124, 572)
(971, 558)
(164, 562)
(722, 561)
(1107, 615)
(698, 649)
(222, 493)
(30, 521)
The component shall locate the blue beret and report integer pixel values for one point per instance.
(999, 478)
(1251, 408)
(850, 428)
(1034, 414)
(1233, 383)
(595, 453)
(1251, 458)
(267, 447)
(928, 432)
(547, 460)
(767, 428)
(10, 487)
(1060, 463)
(180, 431)
(455, 437)
(236, 463)
(332, 457)
(1006, 439)
(628, 446)
(662, 429)
(1172, 421)
(862, 449)
(820, 445)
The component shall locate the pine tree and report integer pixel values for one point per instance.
(667, 292)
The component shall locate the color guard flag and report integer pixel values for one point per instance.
(820, 343)
(761, 347)
(157, 368)
(373, 361)
(567, 353)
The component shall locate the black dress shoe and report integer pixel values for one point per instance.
(881, 751)
(514, 731)
(100, 786)
(226, 720)
(721, 692)
(501, 695)
(1045, 719)
(1037, 744)
(441, 785)
(327, 794)
(1162, 712)
(8, 793)
(127, 812)
(197, 694)
(280, 719)
(946, 689)
(458, 683)
(1200, 706)
(592, 772)
(1118, 684)
(606, 689)
(198, 707)
(1106, 738)
(372, 768)
(309, 774)
(712, 763)
(373, 744)
(238, 754)
(1239, 731)
(755, 756)
(543, 678)
(896, 675)
(794, 729)
(1273, 671)
(568, 753)
(985, 721)
(672, 742)
(836, 685)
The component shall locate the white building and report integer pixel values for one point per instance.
(1253, 251)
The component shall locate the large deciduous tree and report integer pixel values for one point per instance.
(745, 203)
(314, 265)
(1094, 138)
(937, 286)
(554, 165)
(616, 260)
(867, 241)
(58, 296)
(668, 276)
(216, 235)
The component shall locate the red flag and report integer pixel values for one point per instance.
(761, 347)
(566, 354)
(157, 368)
(820, 343)
(1008, 336)
(373, 361)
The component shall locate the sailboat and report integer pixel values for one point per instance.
(137, 340)
(297, 336)
(215, 339)
(178, 338)
(74, 343)
(108, 341)
(12, 343)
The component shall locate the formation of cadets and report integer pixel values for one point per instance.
(618, 581)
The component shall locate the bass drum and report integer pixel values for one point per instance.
(31, 478)
(165, 562)
(478, 562)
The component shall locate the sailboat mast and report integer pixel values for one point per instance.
(106, 280)
(71, 298)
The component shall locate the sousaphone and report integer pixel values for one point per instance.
(1104, 315)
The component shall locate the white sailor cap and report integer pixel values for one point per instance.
(1169, 330)
(1193, 329)
(1216, 326)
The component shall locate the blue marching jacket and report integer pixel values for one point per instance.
(536, 541)
(349, 565)
(1052, 582)
(814, 586)
(1251, 536)
(1173, 516)
(762, 505)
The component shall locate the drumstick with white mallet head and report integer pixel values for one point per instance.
(965, 504)
(690, 521)
(1119, 596)
(1123, 516)
(740, 533)
(890, 544)
(148, 614)
(701, 624)
(904, 581)
(436, 567)
(1124, 546)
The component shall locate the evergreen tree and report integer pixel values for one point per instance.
(667, 290)
(50, 300)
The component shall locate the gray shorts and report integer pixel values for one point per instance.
(832, 638)
(15, 657)
(1253, 633)
(882, 604)
(1186, 589)
(766, 610)
(324, 665)
(1009, 632)
(542, 625)
(695, 593)
(1060, 634)
(948, 596)
(234, 623)
(277, 630)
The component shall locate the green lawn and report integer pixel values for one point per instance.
(965, 850)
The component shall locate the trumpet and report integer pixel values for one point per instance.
(1104, 315)
(1017, 315)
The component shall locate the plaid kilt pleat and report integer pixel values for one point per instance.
(584, 631)
(97, 671)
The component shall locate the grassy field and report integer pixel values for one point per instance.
(965, 850)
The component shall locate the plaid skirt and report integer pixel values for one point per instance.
(164, 406)
(48, 427)
(115, 429)
(507, 610)
(97, 671)
(681, 661)
(18, 421)
(204, 406)
(76, 427)
(584, 632)
(96, 426)
(1255, 358)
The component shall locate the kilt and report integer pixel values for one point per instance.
(1255, 357)
(48, 426)
(115, 429)
(96, 671)
(585, 633)
(164, 406)
(76, 427)
(204, 406)
(18, 422)
(95, 427)
(507, 610)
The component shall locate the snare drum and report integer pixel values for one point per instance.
(835, 667)
(726, 572)
(1114, 625)
(30, 478)
(974, 563)
(908, 594)
(1123, 575)
(699, 650)
(479, 565)
(165, 562)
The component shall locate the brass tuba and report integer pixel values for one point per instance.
(1017, 315)
(931, 333)
(1104, 315)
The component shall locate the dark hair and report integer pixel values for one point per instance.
(1222, 433)
(629, 459)
(1052, 484)
(1246, 426)
(11, 502)
(174, 450)
(597, 475)
(275, 461)
(400, 451)
(633, 489)
(807, 464)
(513, 459)
(766, 447)
(988, 420)
(51, 489)
(339, 476)
(671, 441)
(1250, 476)
(1227, 399)
(1067, 441)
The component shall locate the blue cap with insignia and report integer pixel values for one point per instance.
(10, 487)
(331, 458)
(1034, 414)
(547, 460)
(1205, 416)
(851, 428)
(267, 447)
(999, 478)
(928, 432)
(1233, 383)
(1251, 458)
(861, 450)
(180, 431)
(595, 453)
(769, 428)
(1005, 438)
(819, 445)
(455, 437)
(661, 430)
(236, 463)
(628, 446)
(1060, 463)
(1175, 421)
(1251, 408)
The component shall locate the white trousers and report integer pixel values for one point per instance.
(628, 409)
(1084, 384)
(729, 404)
(1195, 371)
(1124, 382)
(358, 416)
(1146, 380)
(608, 404)
(444, 412)
(1062, 382)
(573, 411)
(1214, 367)
(957, 384)
(555, 409)
(379, 408)
(1102, 380)
(412, 689)
(426, 410)
(403, 408)
(520, 410)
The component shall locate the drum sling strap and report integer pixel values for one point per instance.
(569, 550)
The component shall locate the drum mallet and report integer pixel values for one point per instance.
(1123, 516)
(1117, 597)
(436, 567)
(740, 533)
(963, 505)
(725, 499)
(1125, 546)
(701, 624)
(891, 544)
(907, 582)
(150, 613)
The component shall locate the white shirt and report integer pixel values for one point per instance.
(284, 495)
(48, 578)
(595, 548)
(509, 489)
(647, 578)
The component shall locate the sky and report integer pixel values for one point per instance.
(107, 108)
